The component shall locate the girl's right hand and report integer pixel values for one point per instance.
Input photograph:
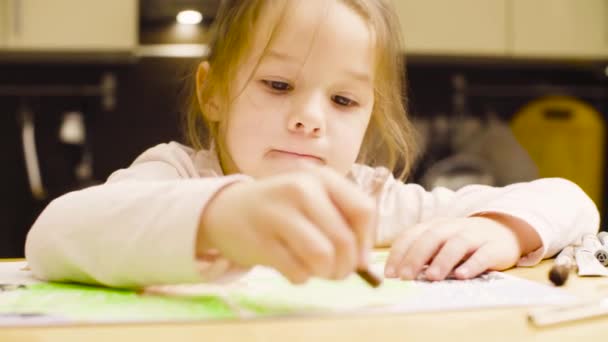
(314, 223)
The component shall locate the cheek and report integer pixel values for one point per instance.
(240, 135)
(250, 123)
(348, 138)
(247, 134)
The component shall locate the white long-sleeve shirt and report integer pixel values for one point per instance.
(140, 227)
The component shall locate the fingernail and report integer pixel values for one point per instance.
(390, 272)
(432, 272)
(463, 272)
(407, 273)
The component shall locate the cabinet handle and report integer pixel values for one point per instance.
(17, 16)
(32, 167)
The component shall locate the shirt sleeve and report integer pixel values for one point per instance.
(137, 229)
(558, 210)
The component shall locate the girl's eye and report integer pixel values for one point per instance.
(278, 85)
(343, 101)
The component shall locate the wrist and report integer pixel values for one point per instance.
(528, 239)
(207, 220)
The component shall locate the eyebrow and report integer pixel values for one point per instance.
(359, 76)
(280, 56)
(354, 74)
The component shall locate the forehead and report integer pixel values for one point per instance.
(324, 30)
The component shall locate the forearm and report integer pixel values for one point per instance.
(127, 234)
(552, 211)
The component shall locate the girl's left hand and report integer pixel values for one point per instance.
(468, 246)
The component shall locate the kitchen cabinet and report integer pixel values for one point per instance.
(68, 25)
(560, 28)
(462, 27)
(505, 28)
(3, 22)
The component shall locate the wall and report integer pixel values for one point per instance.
(148, 112)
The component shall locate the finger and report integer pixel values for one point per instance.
(450, 255)
(279, 257)
(479, 262)
(425, 247)
(308, 244)
(357, 208)
(325, 216)
(400, 248)
(368, 244)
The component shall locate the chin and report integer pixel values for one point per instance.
(282, 168)
(274, 169)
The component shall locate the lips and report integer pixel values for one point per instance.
(275, 153)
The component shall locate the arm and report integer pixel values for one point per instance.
(137, 229)
(558, 210)
(554, 211)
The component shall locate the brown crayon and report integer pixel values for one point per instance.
(559, 274)
(372, 279)
(562, 266)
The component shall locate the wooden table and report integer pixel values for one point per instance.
(478, 325)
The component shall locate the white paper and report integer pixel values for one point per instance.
(16, 273)
(266, 287)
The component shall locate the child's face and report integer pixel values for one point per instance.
(310, 100)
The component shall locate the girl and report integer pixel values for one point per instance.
(294, 97)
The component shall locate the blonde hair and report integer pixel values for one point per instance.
(389, 140)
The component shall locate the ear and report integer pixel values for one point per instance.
(209, 108)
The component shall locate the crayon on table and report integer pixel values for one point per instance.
(564, 263)
(603, 237)
(592, 243)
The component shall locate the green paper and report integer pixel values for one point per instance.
(262, 292)
(278, 296)
(89, 303)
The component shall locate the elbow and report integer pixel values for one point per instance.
(38, 243)
(42, 248)
(37, 248)
(587, 213)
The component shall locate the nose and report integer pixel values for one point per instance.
(307, 117)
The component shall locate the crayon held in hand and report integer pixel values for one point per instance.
(372, 279)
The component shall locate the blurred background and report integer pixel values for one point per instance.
(501, 91)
